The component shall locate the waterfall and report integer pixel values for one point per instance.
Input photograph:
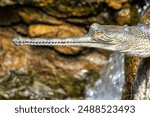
(109, 86)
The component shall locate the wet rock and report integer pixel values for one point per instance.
(69, 8)
(77, 20)
(66, 7)
(71, 11)
(105, 16)
(127, 15)
(6, 32)
(131, 66)
(36, 2)
(146, 17)
(21, 29)
(53, 31)
(34, 15)
(116, 4)
(8, 16)
(69, 50)
(58, 31)
(7, 2)
(13, 59)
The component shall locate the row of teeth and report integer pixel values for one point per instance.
(49, 42)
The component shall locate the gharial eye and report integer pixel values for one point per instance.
(98, 35)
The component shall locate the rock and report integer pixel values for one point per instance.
(66, 7)
(69, 50)
(69, 8)
(32, 15)
(36, 2)
(131, 66)
(41, 30)
(54, 31)
(103, 17)
(116, 4)
(58, 31)
(12, 60)
(6, 32)
(145, 19)
(8, 16)
(127, 15)
(47, 12)
(6, 2)
(21, 29)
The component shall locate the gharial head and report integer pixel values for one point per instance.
(106, 33)
(98, 36)
(133, 40)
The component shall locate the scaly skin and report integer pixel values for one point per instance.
(133, 40)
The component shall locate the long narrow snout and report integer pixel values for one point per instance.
(72, 41)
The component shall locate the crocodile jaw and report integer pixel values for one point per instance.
(72, 41)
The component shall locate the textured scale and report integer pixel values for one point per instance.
(133, 40)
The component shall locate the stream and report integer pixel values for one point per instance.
(109, 86)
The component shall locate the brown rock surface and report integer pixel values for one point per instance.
(145, 19)
(8, 16)
(54, 31)
(127, 15)
(116, 4)
(32, 15)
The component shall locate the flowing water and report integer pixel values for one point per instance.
(109, 86)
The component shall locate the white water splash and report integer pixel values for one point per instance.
(109, 86)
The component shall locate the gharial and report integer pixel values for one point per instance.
(132, 40)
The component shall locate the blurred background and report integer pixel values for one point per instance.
(62, 72)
